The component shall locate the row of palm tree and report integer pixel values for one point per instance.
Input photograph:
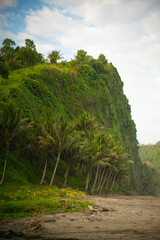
(82, 143)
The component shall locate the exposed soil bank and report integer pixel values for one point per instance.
(117, 217)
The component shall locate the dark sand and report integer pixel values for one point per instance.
(129, 217)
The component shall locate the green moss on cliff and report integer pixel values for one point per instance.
(69, 90)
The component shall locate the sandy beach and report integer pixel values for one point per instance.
(113, 217)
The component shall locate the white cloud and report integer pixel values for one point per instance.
(7, 34)
(45, 48)
(7, 3)
(49, 22)
(3, 21)
(148, 118)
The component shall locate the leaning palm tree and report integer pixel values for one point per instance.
(106, 158)
(118, 160)
(102, 157)
(47, 140)
(11, 126)
(87, 124)
(71, 155)
(121, 165)
(89, 155)
(64, 137)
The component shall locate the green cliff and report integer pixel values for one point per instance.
(69, 88)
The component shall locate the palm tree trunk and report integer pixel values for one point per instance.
(101, 179)
(99, 176)
(45, 168)
(66, 174)
(109, 177)
(87, 179)
(117, 183)
(95, 180)
(55, 168)
(113, 181)
(5, 164)
(104, 180)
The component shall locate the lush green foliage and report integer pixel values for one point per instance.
(4, 70)
(20, 56)
(150, 156)
(11, 126)
(84, 85)
(54, 56)
(25, 201)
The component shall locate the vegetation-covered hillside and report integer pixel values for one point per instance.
(79, 123)
(150, 154)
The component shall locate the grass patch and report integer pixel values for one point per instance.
(27, 201)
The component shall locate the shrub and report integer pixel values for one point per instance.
(4, 70)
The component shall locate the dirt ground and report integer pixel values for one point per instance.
(113, 218)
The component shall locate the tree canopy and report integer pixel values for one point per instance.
(94, 135)
(54, 56)
(20, 56)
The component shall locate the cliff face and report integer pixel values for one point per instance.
(69, 90)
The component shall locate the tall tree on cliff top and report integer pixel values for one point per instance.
(7, 51)
(28, 55)
(54, 56)
(82, 57)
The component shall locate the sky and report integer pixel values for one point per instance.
(127, 32)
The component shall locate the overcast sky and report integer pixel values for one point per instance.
(127, 32)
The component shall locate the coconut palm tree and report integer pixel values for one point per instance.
(71, 156)
(47, 139)
(121, 165)
(107, 152)
(57, 136)
(87, 124)
(89, 156)
(102, 175)
(102, 158)
(54, 56)
(12, 124)
(64, 137)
